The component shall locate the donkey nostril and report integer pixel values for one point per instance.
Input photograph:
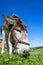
(24, 52)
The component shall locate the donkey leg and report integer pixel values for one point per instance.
(7, 45)
(10, 48)
(10, 45)
(3, 42)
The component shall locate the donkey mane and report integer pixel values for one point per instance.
(15, 19)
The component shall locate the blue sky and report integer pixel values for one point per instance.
(31, 13)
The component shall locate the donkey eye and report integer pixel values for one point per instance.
(18, 30)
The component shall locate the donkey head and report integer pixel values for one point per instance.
(19, 37)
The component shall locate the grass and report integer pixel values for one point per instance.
(35, 58)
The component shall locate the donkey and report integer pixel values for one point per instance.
(8, 23)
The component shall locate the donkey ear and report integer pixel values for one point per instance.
(26, 28)
(5, 17)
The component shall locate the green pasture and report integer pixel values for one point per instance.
(35, 58)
